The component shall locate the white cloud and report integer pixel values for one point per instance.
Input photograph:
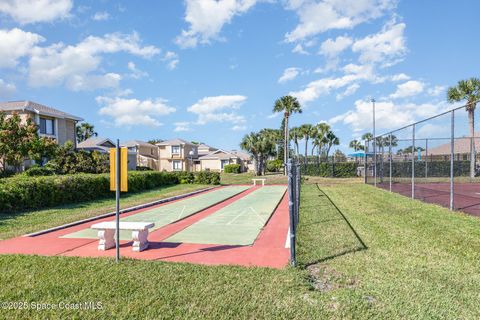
(388, 115)
(386, 47)
(219, 109)
(207, 18)
(400, 77)
(299, 49)
(289, 74)
(101, 16)
(136, 73)
(239, 128)
(6, 89)
(133, 112)
(172, 59)
(319, 16)
(15, 44)
(408, 89)
(436, 91)
(349, 91)
(182, 126)
(331, 48)
(77, 66)
(31, 11)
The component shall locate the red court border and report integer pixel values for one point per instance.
(267, 251)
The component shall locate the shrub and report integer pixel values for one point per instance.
(39, 171)
(274, 165)
(32, 192)
(232, 168)
(142, 168)
(336, 170)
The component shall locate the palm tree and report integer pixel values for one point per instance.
(332, 140)
(307, 131)
(356, 145)
(250, 143)
(467, 90)
(320, 140)
(288, 105)
(85, 131)
(295, 135)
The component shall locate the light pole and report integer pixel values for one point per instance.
(374, 146)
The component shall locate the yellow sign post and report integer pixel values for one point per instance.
(123, 169)
(118, 183)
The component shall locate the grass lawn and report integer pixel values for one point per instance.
(19, 223)
(246, 178)
(364, 253)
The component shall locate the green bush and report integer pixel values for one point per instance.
(232, 168)
(39, 171)
(33, 192)
(335, 170)
(274, 165)
(142, 168)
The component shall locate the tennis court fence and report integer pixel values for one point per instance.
(434, 160)
(294, 181)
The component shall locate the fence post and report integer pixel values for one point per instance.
(291, 195)
(365, 170)
(297, 189)
(426, 158)
(390, 162)
(413, 161)
(452, 146)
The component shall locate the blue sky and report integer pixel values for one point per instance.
(210, 71)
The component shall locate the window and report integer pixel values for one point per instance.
(47, 126)
(223, 163)
(177, 165)
(175, 149)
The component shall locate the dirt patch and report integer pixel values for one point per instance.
(324, 278)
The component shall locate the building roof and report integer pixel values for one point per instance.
(242, 155)
(37, 108)
(133, 143)
(219, 154)
(461, 146)
(174, 142)
(96, 143)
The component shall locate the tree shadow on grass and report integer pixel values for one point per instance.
(330, 233)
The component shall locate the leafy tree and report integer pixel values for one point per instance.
(467, 90)
(295, 136)
(261, 145)
(307, 131)
(356, 145)
(331, 140)
(85, 131)
(320, 139)
(339, 156)
(20, 141)
(288, 105)
(155, 141)
(67, 161)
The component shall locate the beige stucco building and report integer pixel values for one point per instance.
(217, 160)
(177, 155)
(146, 153)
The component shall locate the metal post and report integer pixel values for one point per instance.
(291, 209)
(426, 158)
(297, 189)
(117, 207)
(413, 162)
(365, 170)
(452, 146)
(374, 147)
(390, 162)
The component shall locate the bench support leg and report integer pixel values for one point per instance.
(107, 240)
(140, 240)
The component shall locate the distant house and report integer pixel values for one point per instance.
(51, 122)
(146, 153)
(177, 155)
(246, 159)
(217, 160)
(204, 149)
(103, 145)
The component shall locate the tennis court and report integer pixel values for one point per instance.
(238, 223)
(169, 213)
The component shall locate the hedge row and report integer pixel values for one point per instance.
(335, 170)
(232, 168)
(23, 192)
(433, 169)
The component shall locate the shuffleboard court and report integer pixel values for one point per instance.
(236, 224)
(169, 213)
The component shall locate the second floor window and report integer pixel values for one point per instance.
(175, 149)
(47, 126)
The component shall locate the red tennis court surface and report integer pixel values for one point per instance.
(268, 249)
(466, 195)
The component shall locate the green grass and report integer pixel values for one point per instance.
(246, 178)
(19, 223)
(364, 253)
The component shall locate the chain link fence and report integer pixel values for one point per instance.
(434, 160)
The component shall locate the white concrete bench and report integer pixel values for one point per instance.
(106, 234)
(255, 181)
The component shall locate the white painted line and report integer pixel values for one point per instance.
(287, 241)
(238, 216)
(181, 213)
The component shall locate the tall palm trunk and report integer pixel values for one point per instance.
(306, 152)
(471, 123)
(285, 151)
